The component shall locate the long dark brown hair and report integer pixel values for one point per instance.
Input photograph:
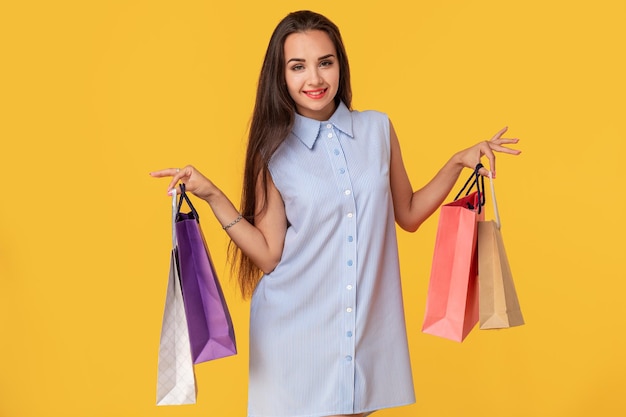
(272, 120)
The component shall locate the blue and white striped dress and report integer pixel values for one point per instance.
(327, 328)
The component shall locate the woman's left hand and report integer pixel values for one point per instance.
(470, 157)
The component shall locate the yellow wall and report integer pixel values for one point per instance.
(95, 94)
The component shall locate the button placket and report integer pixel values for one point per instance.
(347, 284)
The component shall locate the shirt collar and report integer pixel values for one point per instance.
(308, 130)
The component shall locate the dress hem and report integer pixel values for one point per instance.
(333, 413)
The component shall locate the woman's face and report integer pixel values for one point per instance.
(312, 73)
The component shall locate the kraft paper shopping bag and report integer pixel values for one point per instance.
(498, 302)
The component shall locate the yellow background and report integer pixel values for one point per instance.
(96, 94)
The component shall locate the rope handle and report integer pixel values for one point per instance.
(183, 196)
(495, 203)
(174, 213)
(479, 182)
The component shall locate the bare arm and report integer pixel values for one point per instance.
(261, 242)
(413, 208)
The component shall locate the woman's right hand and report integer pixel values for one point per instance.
(194, 181)
(262, 241)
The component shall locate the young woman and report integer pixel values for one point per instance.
(324, 186)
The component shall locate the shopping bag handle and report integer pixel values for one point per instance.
(174, 213)
(479, 182)
(183, 195)
(495, 203)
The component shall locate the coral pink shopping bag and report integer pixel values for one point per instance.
(452, 301)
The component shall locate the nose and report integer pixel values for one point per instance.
(315, 77)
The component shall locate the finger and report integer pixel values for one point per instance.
(487, 151)
(499, 148)
(500, 133)
(484, 172)
(178, 187)
(168, 172)
(177, 175)
(161, 173)
(504, 141)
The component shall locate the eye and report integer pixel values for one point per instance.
(297, 67)
(326, 63)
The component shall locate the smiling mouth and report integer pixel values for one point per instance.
(316, 93)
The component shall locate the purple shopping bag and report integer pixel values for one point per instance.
(211, 331)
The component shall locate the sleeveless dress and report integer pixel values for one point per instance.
(327, 328)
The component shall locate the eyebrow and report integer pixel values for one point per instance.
(319, 59)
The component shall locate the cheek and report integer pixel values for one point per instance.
(290, 89)
(293, 84)
(333, 78)
(288, 81)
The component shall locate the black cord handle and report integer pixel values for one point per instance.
(479, 182)
(183, 195)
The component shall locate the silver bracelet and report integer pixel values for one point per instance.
(234, 222)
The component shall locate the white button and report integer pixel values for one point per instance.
(350, 215)
(329, 126)
(349, 309)
(348, 287)
(330, 135)
(347, 192)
